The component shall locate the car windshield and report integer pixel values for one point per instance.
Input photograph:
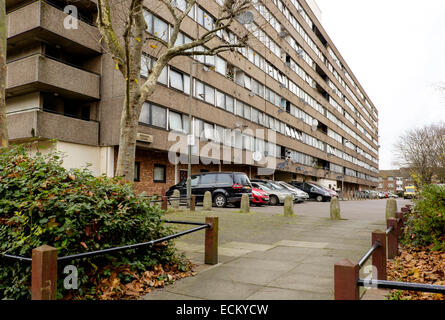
(315, 187)
(288, 186)
(264, 187)
(276, 186)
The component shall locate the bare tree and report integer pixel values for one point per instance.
(125, 45)
(423, 151)
(3, 124)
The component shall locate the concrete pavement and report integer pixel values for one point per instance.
(266, 256)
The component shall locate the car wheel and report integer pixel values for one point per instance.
(319, 198)
(274, 200)
(220, 200)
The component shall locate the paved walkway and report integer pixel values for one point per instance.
(266, 256)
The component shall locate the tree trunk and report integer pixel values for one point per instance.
(3, 124)
(128, 132)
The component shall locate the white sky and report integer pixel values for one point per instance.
(396, 49)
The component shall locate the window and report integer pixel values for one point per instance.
(137, 171)
(209, 93)
(195, 181)
(163, 76)
(208, 179)
(208, 131)
(158, 116)
(153, 115)
(199, 90)
(224, 179)
(220, 65)
(175, 121)
(159, 173)
(160, 29)
(179, 81)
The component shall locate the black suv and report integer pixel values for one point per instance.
(225, 187)
(313, 190)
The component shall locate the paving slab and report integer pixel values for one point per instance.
(248, 246)
(301, 244)
(267, 256)
(270, 293)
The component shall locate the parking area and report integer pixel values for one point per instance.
(265, 255)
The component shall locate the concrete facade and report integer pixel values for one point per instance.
(62, 85)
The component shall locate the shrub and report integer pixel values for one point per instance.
(43, 203)
(426, 225)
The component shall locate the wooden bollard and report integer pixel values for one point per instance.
(211, 241)
(346, 275)
(393, 238)
(400, 221)
(44, 273)
(164, 205)
(379, 255)
(192, 203)
(405, 210)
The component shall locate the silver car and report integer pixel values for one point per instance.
(302, 196)
(277, 194)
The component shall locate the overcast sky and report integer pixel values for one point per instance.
(396, 49)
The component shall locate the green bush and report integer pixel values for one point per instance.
(43, 203)
(426, 225)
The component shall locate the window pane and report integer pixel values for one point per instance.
(163, 76)
(176, 80)
(199, 90)
(145, 113)
(186, 80)
(149, 20)
(224, 179)
(159, 173)
(239, 108)
(220, 100)
(208, 131)
(208, 179)
(160, 29)
(220, 65)
(210, 95)
(229, 104)
(158, 116)
(175, 121)
(247, 112)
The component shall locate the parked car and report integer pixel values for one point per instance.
(333, 193)
(374, 194)
(260, 197)
(302, 196)
(392, 195)
(225, 187)
(277, 194)
(314, 191)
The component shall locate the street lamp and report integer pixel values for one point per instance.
(190, 138)
(342, 186)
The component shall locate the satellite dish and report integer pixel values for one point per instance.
(257, 156)
(246, 17)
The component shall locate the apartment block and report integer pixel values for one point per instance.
(394, 180)
(291, 83)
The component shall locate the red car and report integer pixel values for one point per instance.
(259, 197)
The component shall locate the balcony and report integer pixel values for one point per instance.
(40, 73)
(40, 20)
(45, 125)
